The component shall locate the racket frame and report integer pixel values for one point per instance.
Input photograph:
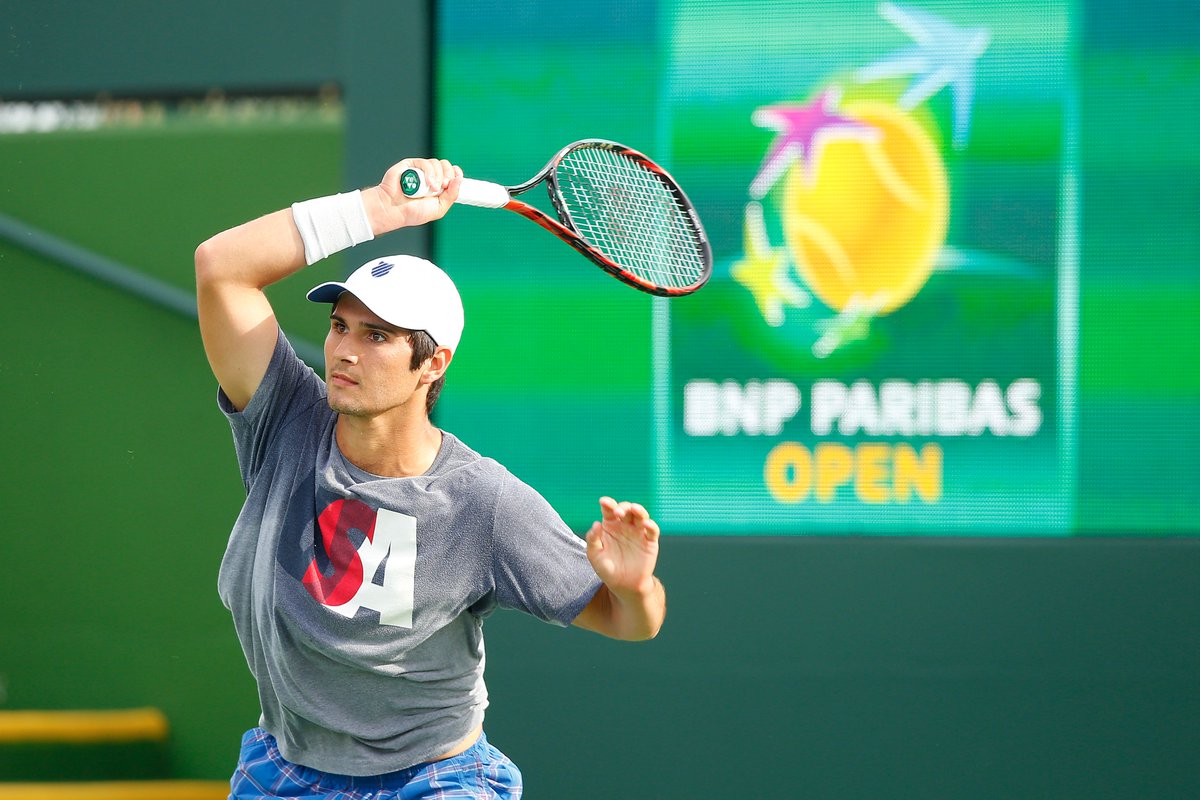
(486, 194)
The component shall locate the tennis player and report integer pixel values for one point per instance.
(372, 544)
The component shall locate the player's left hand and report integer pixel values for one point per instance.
(623, 547)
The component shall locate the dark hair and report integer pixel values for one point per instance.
(423, 348)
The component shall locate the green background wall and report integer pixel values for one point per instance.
(789, 667)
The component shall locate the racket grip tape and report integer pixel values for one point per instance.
(472, 192)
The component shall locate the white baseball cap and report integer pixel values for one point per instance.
(405, 291)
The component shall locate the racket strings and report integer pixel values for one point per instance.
(628, 213)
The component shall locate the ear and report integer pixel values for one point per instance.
(437, 365)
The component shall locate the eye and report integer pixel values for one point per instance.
(337, 326)
(377, 337)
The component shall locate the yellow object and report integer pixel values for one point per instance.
(117, 790)
(865, 224)
(763, 271)
(122, 725)
(879, 472)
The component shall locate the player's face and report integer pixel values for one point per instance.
(368, 363)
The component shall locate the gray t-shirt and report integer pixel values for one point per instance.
(359, 600)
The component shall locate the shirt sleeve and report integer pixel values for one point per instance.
(288, 389)
(539, 565)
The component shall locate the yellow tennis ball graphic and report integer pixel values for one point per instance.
(866, 222)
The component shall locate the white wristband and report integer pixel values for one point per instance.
(330, 224)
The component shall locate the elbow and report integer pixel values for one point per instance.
(215, 266)
(206, 262)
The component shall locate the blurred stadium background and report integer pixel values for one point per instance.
(1033, 632)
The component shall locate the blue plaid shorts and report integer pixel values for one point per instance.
(480, 773)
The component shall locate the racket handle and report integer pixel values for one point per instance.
(472, 192)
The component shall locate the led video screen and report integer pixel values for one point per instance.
(908, 327)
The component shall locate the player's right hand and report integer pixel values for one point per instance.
(389, 208)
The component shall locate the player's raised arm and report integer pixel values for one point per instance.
(233, 268)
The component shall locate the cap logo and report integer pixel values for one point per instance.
(381, 269)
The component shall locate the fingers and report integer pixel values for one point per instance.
(440, 177)
(594, 538)
(630, 514)
(608, 509)
(439, 173)
(613, 511)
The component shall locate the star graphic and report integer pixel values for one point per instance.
(852, 324)
(803, 131)
(764, 271)
(944, 55)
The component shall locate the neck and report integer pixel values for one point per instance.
(382, 447)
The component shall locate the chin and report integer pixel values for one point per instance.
(340, 405)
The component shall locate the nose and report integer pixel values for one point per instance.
(343, 350)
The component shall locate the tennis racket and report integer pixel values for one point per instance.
(615, 206)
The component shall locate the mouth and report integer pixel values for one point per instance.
(341, 379)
